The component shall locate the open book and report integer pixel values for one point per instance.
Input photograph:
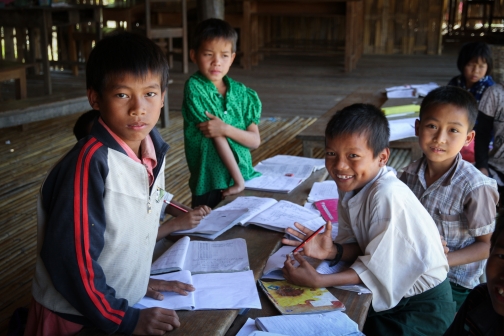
(283, 173)
(323, 190)
(293, 299)
(272, 214)
(212, 291)
(203, 257)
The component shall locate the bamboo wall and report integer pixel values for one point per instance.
(403, 26)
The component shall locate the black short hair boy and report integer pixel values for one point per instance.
(472, 50)
(138, 57)
(212, 29)
(361, 118)
(454, 96)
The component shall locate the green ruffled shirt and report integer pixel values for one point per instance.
(240, 108)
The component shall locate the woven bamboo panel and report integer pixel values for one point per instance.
(28, 157)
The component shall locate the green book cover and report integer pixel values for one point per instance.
(292, 299)
(401, 109)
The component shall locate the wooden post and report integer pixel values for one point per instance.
(210, 9)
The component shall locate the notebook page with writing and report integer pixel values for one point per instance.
(296, 160)
(298, 171)
(323, 190)
(279, 184)
(336, 322)
(283, 215)
(217, 256)
(216, 221)
(255, 205)
(172, 259)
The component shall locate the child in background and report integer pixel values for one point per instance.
(483, 311)
(182, 220)
(383, 230)
(460, 199)
(475, 65)
(99, 206)
(220, 118)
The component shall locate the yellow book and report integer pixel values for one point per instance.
(292, 299)
(401, 109)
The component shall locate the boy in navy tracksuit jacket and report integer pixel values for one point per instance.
(99, 206)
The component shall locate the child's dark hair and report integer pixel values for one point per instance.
(363, 119)
(499, 228)
(472, 50)
(123, 53)
(81, 127)
(452, 95)
(212, 29)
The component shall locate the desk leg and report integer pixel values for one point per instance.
(46, 22)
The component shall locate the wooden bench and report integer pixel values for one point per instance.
(314, 135)
(16, 71)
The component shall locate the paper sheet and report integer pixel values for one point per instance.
(336, 322)
(323, 190)
(173, 258)
(402, 128)
(279, 184)
(216, 221)
(171, 300)
(226, 291)
(289, 170)
(296, 160)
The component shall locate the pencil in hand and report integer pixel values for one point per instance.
(300, 246)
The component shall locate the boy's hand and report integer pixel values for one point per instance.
(190, 219)
(156, 286)
(213, 128)
(320, 247)
(303, 275)
(156, 321)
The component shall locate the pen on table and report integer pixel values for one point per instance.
(307, 239)
(175, 206)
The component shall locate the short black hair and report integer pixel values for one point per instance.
(499, 228)
(361, 119)
(452, 95)
(472, 50)
(212, 29)
(122, 53)
(81, 127)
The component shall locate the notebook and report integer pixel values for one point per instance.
(203, 257)
(323, 190)
(334, 323)
(212, 291)
(292, 299)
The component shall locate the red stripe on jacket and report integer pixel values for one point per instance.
(82, 227)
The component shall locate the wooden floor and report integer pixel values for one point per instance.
(293, 91)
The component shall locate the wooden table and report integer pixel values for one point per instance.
(44, 18)
(16, 71)
(314, 135)
(354, 14)
(261, 243)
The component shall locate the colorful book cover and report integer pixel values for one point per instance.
(328, 209)
(292, 299)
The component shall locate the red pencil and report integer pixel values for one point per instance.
(307, 239)
(175, 206)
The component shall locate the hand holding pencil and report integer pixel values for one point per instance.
(319, 245)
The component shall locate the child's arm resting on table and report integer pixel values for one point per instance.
(215, 127)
